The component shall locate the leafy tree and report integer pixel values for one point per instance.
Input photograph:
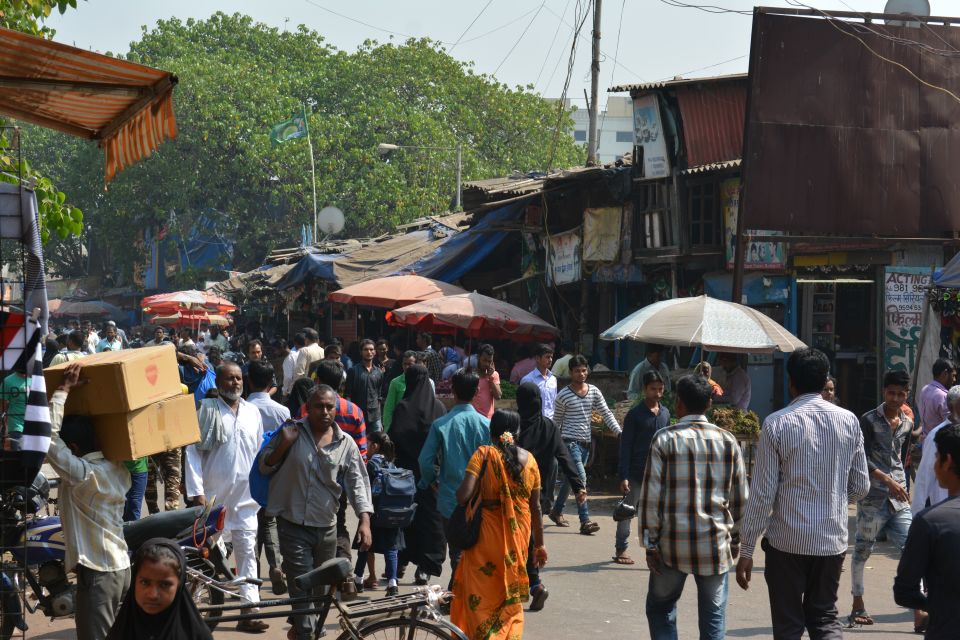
(238, 78)
(55, 214)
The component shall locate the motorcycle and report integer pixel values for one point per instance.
(33, 548)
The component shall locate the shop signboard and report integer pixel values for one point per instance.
(759, 254)
(648, 135)
(564, 258)
(903, 298)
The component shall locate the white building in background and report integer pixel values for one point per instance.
(614, 125)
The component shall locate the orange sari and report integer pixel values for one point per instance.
(491, 581)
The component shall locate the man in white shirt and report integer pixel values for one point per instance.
(543, 377)
(159, 337)
(92, 337)
(926, 490)
(310, 353)
(74, 350)
(290, 364)
(92, 494)
(231, 431)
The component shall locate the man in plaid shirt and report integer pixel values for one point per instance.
(692, 502)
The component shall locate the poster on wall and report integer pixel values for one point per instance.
(760, 254)
(564, 259)
(601, 234)
(903, 298)
(648, 134)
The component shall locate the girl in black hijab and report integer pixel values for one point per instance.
(299, 393)
(540, 437)
(158, 606)
(426, 543)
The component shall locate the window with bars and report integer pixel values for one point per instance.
(651, 218)
(703, 207)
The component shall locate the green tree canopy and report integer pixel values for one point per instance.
(238, 78)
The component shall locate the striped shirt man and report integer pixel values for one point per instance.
(350, 420)
(810, 465)
(693, 496)
(572, 413)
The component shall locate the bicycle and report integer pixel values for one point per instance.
(413, 616)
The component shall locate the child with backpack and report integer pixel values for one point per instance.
(393, 492)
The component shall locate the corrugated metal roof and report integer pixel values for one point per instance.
(479, 192)
(713, 117)
(713, 166)
(676, 82)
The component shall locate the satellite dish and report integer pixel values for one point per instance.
(330, 220)
(908, 7)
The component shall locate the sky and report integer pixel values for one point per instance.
(520, 42)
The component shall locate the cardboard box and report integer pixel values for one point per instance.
(158, 427)
(120, 381)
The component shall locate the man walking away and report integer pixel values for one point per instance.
(692, 500)
(310, 352)
(74, 350)
(92, 491)
(810, 464)
(887, 506)
(431, 358)
(364, 382)
(290, 363)
(543, 377)
(932, 402)
(927, 491)
(305, 494)
(219, 465)
(652, 361)
(930, 553)
(274, 415)
(639, 427)
(575, 405)
(397, 387)
(451, 442)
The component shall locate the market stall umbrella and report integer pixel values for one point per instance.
(393, 292)
(190, 318)
(191, 300)
(89, 309)
(474, 315)
(715, 325)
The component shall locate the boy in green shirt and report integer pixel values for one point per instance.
(138, 485)
(13, 404)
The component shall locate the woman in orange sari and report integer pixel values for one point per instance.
(490, 583)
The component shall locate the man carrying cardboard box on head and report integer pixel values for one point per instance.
(92, 494)
(231, 430)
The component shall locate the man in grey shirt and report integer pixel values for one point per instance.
(306, 459)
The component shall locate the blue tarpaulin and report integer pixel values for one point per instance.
(312, 265)
(757, 288)
(468, 248)
(949, 276)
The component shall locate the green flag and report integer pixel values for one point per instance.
(295, 127)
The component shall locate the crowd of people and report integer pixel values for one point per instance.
(326, 430)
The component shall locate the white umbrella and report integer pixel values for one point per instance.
(715, 325)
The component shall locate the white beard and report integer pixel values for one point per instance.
(232, 396)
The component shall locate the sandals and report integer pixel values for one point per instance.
(623, 559)
(589, 528)
(371, 583)
(859, 618)
(558, 519)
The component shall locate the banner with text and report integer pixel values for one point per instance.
(564, 258)
(903, 299)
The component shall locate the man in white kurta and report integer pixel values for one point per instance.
(219, 465)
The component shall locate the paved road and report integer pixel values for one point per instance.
(592, 597)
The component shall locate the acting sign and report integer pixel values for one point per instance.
(564, 257)
(903, 298)
(648, 134)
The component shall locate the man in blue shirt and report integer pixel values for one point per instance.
(453, 438)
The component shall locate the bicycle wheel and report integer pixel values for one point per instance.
(400, 629)
(204, 595)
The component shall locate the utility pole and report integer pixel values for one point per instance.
(592, 142)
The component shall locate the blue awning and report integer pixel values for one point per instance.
(467, 249)
(949, 276)
(312, 265)
(757, 288)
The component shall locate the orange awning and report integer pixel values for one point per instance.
(126, 107)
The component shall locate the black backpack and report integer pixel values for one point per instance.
(394, 492)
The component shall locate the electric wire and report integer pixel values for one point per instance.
(619, 64)
(469, 26)
(503, 26)
(566, 84)
(552, 42)
(523, 33)
(616, 52)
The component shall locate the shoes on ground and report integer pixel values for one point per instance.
(589, 528)
(252, 626)
(538, 598)
(277, 581)
(421, 577)
(392, 591)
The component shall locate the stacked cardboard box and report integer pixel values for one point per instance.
(134, 400)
